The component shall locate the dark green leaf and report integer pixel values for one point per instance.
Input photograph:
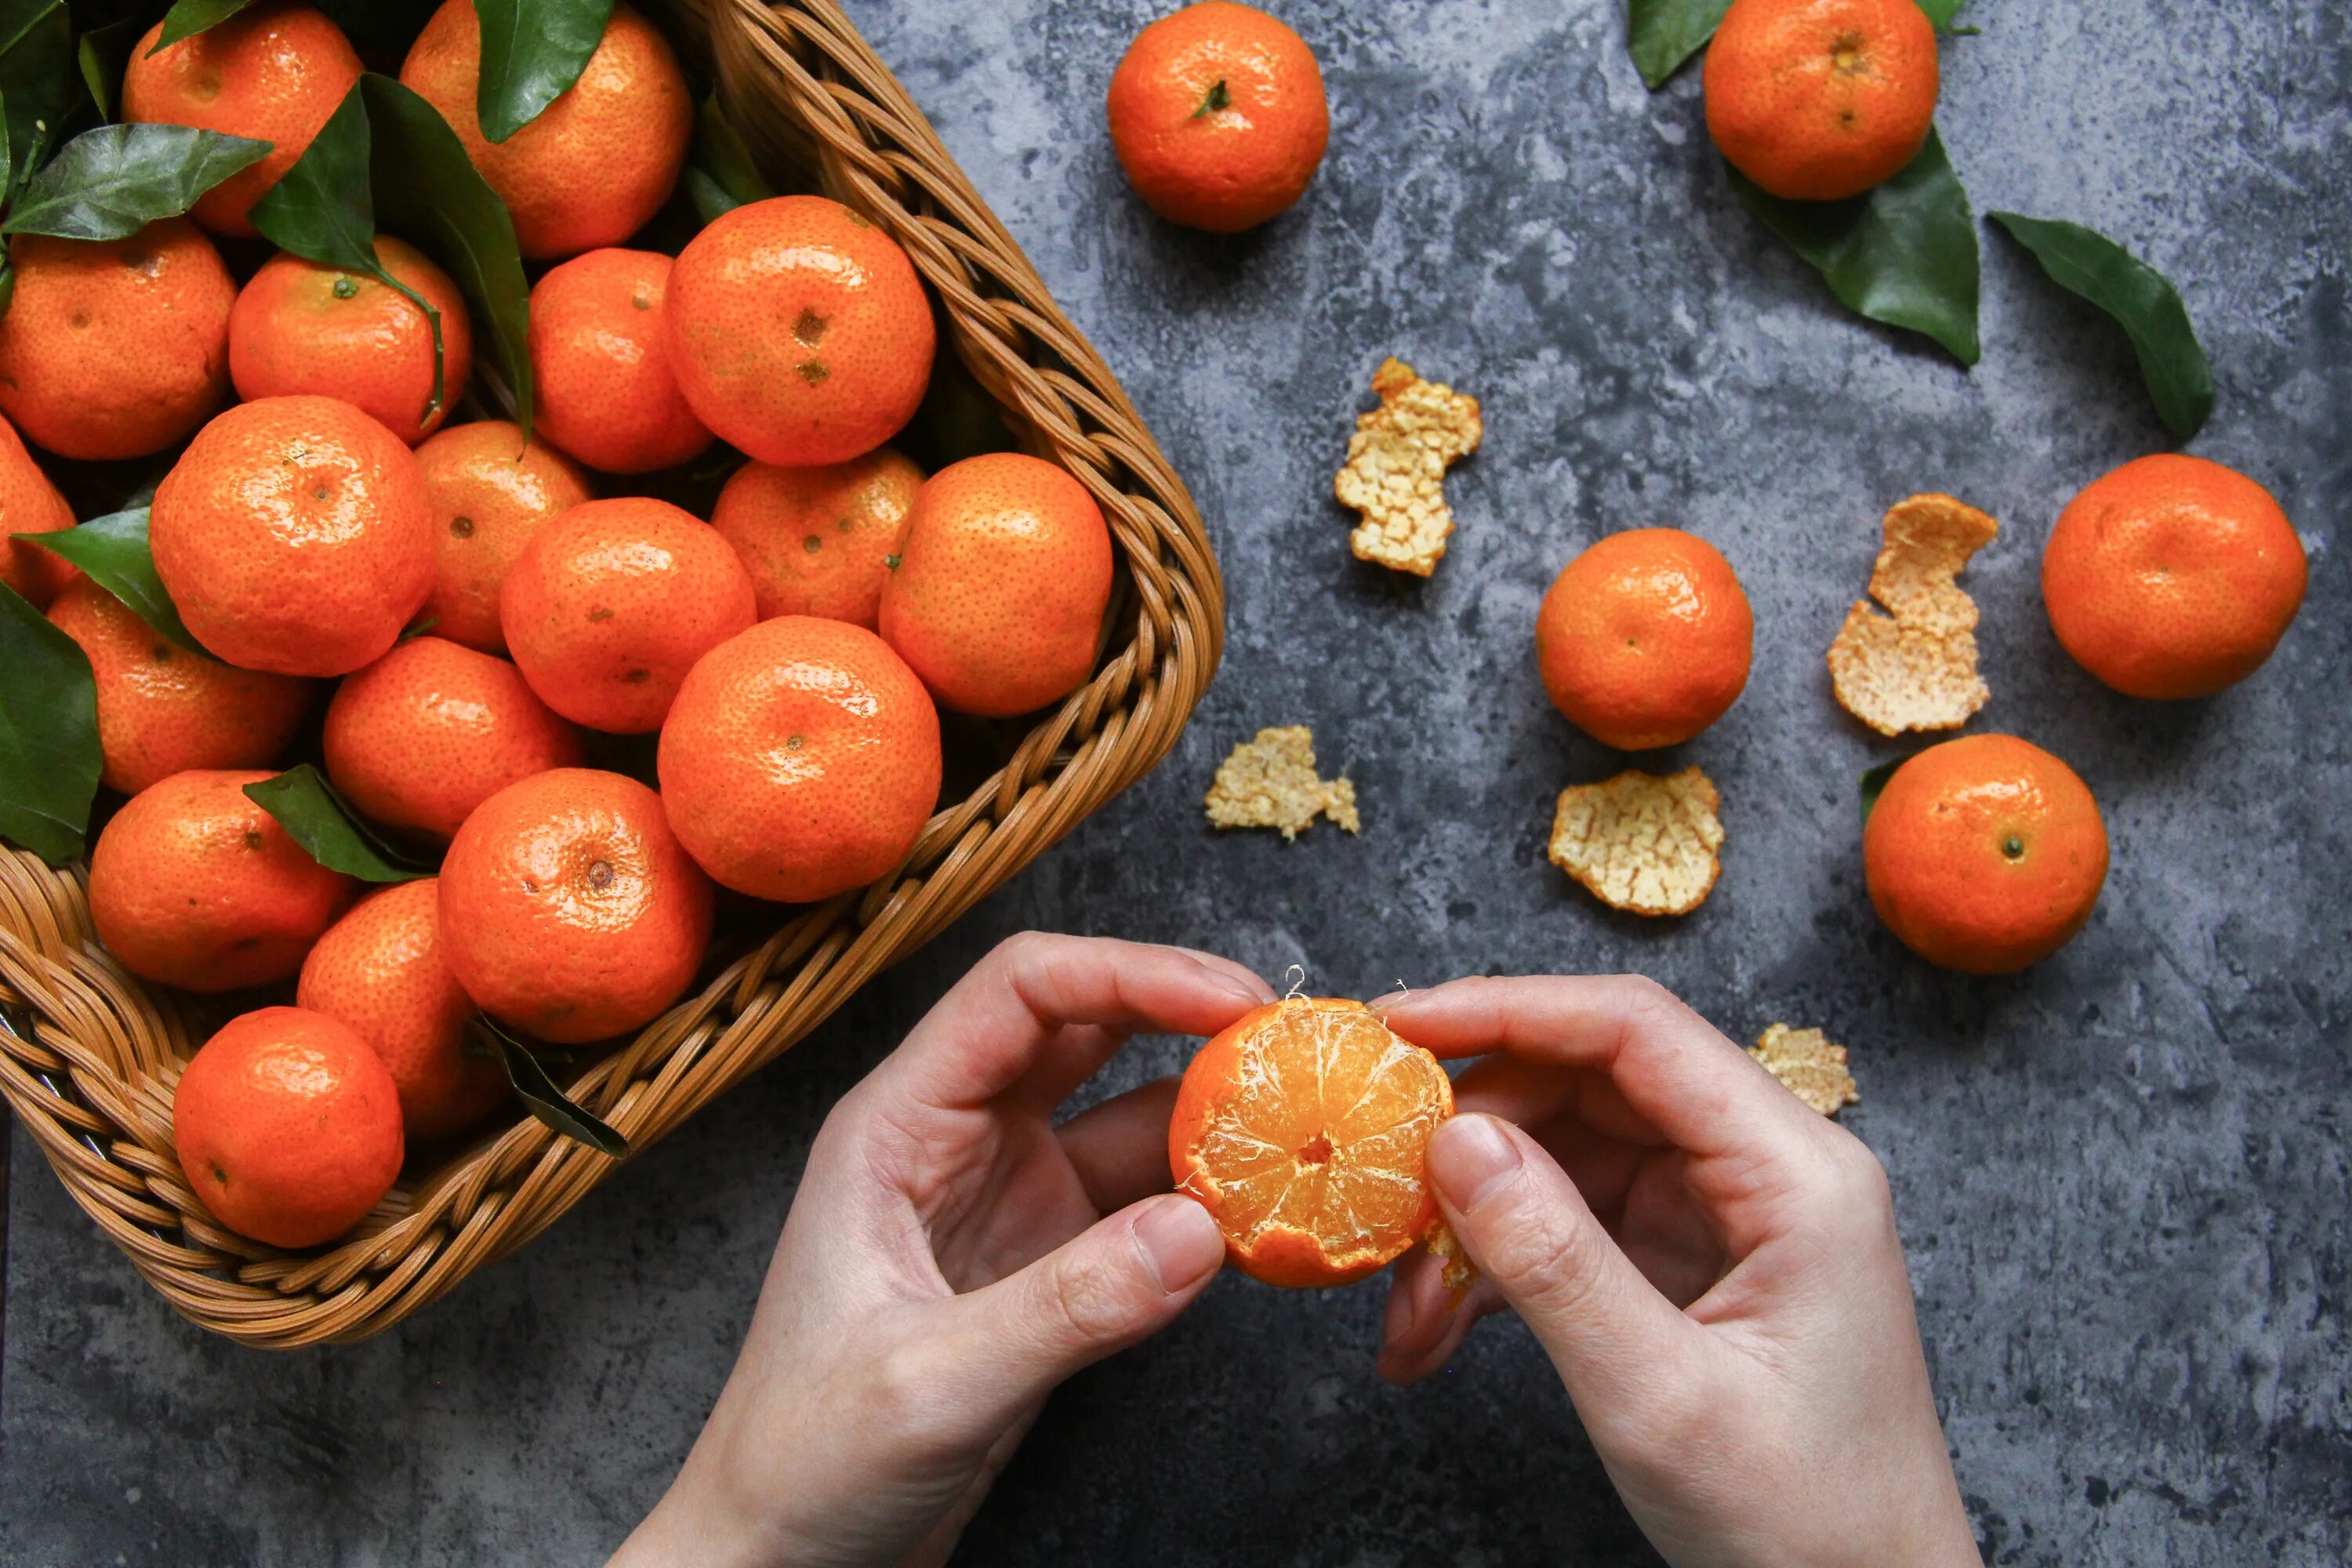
(49, 758)
(103, 53)
(307, 806)
(1941, 12)
(719, 173)
(532, 51)
(428, 192)
(37, 80)
(2149, 308)
(1905, 254)
(188, 18)
(111, 182)
(113, 550)
(1873, 784)
(539, 1094)
(1662, 34)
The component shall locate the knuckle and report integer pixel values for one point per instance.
(1546, 1263)
(1091, 1301)
(1027, 949)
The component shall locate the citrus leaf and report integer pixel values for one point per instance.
(719, 173)
(111, 182)
(1941, 12)
(1905, 254)
(188, 18)
(307, 806)
(113, 550)
(542, 1098)
(1873, 784)
(49, 758)
(1662, 34)
(103, 53)
(36, 79)
(532, 51)
(2085, 262)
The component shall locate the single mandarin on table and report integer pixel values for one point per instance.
(818, 541)
(1000, 587)
(2172, 576)
(568, 910)
(600, 380)
(489, 493)
(29, 503)
(1218, 115)
(1304, 1129)
(425, 734)
(799, 331)
(294, 535)
(1820, 100)
(801, 760)
(193, 884)
(1643, 640)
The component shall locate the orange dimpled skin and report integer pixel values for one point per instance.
(609, 606)
(818, 541)
(601, 382)
(294, 536)
(273, 73)
(163, 710)
(799, 330)
(380, 970)
(193, 884)
(30, 504)
(596, 162)
(288, 1126)
(489, 493)
(2172, 576)
(300, 327)
(425, 734)
(1820, 100)
(1304, 1130)
(1000, 591)
(568, 910)
(1218, 116)
(115, 348)
(802, 759)
(1984, 854)
(1645, 639)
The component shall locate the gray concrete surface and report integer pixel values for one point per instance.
(2122, 1177)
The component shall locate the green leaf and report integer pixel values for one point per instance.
(1904, 253)
(188, 18)
(2149, 308)
(111, 182)
(719, 173)
(1941, 12)
(113, 550)
(541, 1095)
(532, 51)
(37, 80)
(307, 806)
(103, 53)
(1873, 784)
(49, 757)
(1662, 34)
(427, 191)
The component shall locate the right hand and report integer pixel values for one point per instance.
(1712, 1267)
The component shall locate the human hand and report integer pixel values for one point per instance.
(1712, 1267)
(946, 1263)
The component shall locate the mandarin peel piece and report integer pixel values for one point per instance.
(1639, 842)
(1395, 471)
(1270, 782)
(1808, 1066)
(1913, 667)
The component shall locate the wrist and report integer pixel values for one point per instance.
(693, 1526)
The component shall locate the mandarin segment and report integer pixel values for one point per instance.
(1807, 1066)
(1915, 666)
(1395, 471)
(1270, 782)
(1642, 843)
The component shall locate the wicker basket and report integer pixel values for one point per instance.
(89, 1055)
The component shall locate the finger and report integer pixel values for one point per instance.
(1120, 1148)
(1427, 1321)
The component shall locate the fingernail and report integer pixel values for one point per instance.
(1252, 990)
(1179, 1241)
(1386, 1000)
(1469, 1158)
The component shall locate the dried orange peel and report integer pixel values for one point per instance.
(1641, 842)
(1395, 472)
(1304, 1130)
(1270, 782)
(1915, 666)
(1808, 1066)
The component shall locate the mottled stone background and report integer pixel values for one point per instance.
(2122, 1176)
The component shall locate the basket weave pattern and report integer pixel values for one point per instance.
(89, 1055)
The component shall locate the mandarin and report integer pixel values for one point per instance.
(491, 492)
(1820, 100)
(601, 378)
(29, 503)
(819, 542)
(1643, 640)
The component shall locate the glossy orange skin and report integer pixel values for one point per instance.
(801, 760)
(288, 1126)
(1220, 169)
(818, 541)
(2172, 576)
(300, 327)
(1001, 585)
(425, 734)
(30, 504)
(1820, 100)
(163, 710)
(294, 536)
(600, 366)
(380, 970)
(596, 162)
(1935, 854)
(1645, 639)
(489, 493)
(115, 348)
(275, 73)
(609, 606)
(568, 910)
(194, 884)
(799, 331)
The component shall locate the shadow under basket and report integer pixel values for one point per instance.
(89, 1055)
